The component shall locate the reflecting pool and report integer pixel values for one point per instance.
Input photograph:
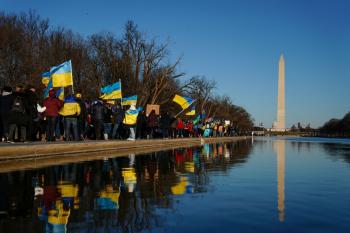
(259, 185)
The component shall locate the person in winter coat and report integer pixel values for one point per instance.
(53, 105)
(180, 128)
(152, 123)
(70, 112)
(98, 113)
(118, 116)
(130, 120)
(33, 121)
(107, 122)
(164, 124)
(173, 126)
(18, 115)
(82, 118)
(141, 125)
(6, 100)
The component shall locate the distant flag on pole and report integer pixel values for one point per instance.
(129, 100)
(184, 102)
(192, 112)
(45, 78)
(112, 91)
(62, 75)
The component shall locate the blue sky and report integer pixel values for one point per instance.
(238, 44)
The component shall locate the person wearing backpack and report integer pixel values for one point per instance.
(18, 117)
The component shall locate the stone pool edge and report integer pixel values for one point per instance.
(37, 155)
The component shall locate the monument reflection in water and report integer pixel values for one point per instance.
(280, 149)
(114, 194)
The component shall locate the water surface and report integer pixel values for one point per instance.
(260, 185)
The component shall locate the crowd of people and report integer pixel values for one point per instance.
(24, 117)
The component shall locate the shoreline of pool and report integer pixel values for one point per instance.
(35, 155)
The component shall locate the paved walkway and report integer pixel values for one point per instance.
(41, 154)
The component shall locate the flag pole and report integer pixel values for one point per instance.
(121, 93)
(70, 61)
(185, 109)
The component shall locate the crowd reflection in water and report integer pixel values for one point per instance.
(115, 194)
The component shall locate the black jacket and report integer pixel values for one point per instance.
(6, 104)
(98, 111)
(32, 101)
(18, 117)
(83, 111)
(165, 121)
(118, 114)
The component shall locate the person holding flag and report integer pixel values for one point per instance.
(130, 121)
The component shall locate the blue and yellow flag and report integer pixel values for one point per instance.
(129, 100)
(59, 92)
(113, 91)
(45, 78)
(131, 116)
(192, 112)
(184, 102)
(62, 74)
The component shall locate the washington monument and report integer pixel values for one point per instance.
(281, 108)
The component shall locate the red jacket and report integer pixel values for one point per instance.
(180, 124)
(53, 105)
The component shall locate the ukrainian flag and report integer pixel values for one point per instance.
(59, 92)
(45, 78)
(184, 102)
(47, 89)
(113, 91)
(62, 74)
(192, 112)
(129, 100)
(131, 117)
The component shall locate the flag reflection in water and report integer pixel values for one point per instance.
(106, 194)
